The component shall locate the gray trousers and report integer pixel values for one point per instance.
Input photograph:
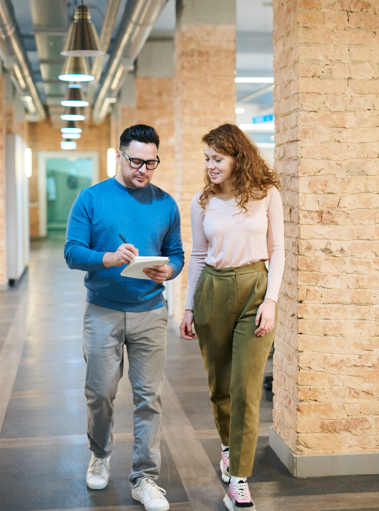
(145, 337)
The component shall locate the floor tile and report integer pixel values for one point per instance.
(50, 376)
(54, 459)
(52, 491)
(48, 416)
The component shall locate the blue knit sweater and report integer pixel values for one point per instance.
(148, 218)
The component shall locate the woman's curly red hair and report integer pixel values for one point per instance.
(252, 175)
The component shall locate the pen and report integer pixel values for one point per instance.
(123, 239)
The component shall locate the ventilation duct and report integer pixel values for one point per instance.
(16, 61)
(136, 24)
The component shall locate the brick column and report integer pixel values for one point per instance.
(127, 105)
(204, 99)
(155, 102)
(326, 379)
(3, 233)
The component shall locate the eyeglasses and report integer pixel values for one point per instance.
(136, 163)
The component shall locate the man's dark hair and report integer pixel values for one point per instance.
(141, 133)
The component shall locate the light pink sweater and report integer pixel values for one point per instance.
(225, 238)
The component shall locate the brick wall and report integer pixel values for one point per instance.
(43, 137)
(326, 378)
(204, 99)
(3, 247)
(155, 107)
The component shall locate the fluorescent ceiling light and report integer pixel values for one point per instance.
(254, 79)
(28, 102)
(28, 162)
(76, 78)
(68, 145)
(239, 110)
(71, 135)
(264, 126)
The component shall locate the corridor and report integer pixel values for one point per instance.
(43, 445)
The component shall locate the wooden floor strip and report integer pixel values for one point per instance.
(10, 354)
(13, 443)
(201, 483)
(177, 506)
(330, 502)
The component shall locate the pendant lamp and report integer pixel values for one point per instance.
(71, 113)
(74, 96)
(76, 69)
(71, 128)
(71, 136)
(82, 39)
(68, 145)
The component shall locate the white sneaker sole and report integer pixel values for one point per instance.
(229, 505)
(166, 507)
(224, 477)
(97, 487)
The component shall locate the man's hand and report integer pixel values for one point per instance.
(123, 255)
(159, 274)
(265, 317)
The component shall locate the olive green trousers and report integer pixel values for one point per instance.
(226, 304)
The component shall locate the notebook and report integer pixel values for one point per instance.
(134, 270)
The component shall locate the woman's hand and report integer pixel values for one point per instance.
(265, 317)
(186, 326)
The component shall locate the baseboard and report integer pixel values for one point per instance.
(15, 282)
(322, 465)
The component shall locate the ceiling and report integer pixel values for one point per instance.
(254, 54)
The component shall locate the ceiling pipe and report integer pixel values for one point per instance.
(105, 38)
(16, 61)
(256, 94)
(136, 24)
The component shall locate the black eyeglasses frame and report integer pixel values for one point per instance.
(143, 161)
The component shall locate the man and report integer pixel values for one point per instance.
(123, 310)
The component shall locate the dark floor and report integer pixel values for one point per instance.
(43, 447)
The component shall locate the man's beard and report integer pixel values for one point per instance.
(130, 184)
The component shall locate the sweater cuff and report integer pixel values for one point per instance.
(271, 297)
(96, 261)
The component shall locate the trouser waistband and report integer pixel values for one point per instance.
(238, 270)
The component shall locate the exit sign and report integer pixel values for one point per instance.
(263, 118)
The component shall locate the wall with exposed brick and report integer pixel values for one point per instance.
(326, 364)
(204, 99)
(43, 137)
(155, 107)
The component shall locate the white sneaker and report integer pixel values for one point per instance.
(98, 473)
(151, 496)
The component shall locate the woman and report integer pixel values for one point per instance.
(237, 225)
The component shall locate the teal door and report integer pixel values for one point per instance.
(64, 181)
